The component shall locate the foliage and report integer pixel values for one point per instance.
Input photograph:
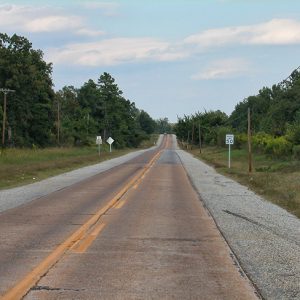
(37, 116)
(273, 110)
(296, 152)
(29, 115)
(211, 127)
(146, 123)
(163, 126)
(275, 121)
(275, 147)
(100, 109)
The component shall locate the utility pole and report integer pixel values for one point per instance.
(249, 142)
(200, 144)
(188, 140)
(58, 122)
(5, 92)
(192, 136)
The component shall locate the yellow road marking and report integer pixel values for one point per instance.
(87, 241)
(23, 286)
(120, 204)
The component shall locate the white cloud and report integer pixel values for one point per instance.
(42, 19)
(114, 51)
(53, 23)
(223, 69)
(274, 32)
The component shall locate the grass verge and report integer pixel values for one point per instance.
(23, 166)
(276, 180)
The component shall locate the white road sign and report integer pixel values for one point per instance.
(229, 139)
(99, 140)
(110, 140)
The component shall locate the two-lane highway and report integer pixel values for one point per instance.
(137, 231)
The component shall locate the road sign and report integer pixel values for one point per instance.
(229, 139)
(99, 140)
(110, 140)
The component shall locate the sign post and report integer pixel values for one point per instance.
(99, 142)
(110, 141)
(229, 141)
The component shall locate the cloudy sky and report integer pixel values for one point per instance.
(171, 57)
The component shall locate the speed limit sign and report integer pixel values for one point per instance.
(229, 139)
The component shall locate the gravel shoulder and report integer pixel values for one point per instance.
(264, 237)
(14, 197)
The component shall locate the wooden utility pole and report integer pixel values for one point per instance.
(200, 144)
(5, 92)
(193, 127)
(249, 142)
(58, 122)
(188, 140)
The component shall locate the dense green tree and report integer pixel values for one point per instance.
(163, 125)
(23, 69)
(147, 124)
(272, 110)
(210, 122)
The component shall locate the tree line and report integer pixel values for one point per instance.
(39, 116)
(275, 119)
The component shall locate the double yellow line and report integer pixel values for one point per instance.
(78, 242)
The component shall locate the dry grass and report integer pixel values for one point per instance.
(23, 166)
(276, 180)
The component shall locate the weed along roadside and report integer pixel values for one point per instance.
(277, 180)
(23, 166)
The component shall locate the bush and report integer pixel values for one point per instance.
(293, 133)
(260, 141)
(276, 147)
(296, 152)
(279, 147)
(240, 140)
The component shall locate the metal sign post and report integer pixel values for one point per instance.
(229, 141)
(99, 143)
(110, 141)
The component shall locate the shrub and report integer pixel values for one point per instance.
(260, 141)
(279, 147)
(293, 133)
(276, 147)
(240, 140)
(296, 152)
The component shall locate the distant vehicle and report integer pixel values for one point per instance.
(165, 133)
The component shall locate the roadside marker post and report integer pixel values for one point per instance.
(99, 142)
(110, 140)
(229, 141)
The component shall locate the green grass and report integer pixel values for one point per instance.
(276, 180)
(24, 166)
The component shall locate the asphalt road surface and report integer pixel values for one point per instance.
(136, 231)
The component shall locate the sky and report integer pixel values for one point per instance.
(171, 57)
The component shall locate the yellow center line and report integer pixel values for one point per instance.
(120, 204)
(31, 279)
(85, 243)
